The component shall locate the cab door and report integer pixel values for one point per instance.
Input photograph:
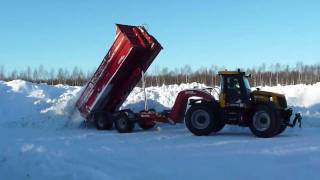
(236, 99)
(232, 90)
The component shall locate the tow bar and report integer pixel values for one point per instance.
(296, 119)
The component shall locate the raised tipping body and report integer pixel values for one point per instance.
(131, 53)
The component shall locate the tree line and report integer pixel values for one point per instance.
(260, 76)
(75, 77)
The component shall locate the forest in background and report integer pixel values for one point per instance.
(156, 76)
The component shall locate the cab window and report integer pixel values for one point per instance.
(233, 90)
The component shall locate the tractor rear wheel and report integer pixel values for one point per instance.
(265, 121)
(123, 123)
(102, 121)
(201, 120)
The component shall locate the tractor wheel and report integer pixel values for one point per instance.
(283, 127)
(123, 123)
(102, 121)
(265, 121)
(218, 128)
(146, 126)
(201, 120)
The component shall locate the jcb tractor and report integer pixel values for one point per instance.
(265, 113)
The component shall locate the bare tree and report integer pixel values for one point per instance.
(14, 75)
(60, 76)
(2, 73)
(52, 76)
(29, 74)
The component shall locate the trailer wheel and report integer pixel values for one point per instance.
(201, 120)
(123, 123)
(102, 121)
(265, 121)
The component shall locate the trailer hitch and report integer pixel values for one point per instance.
(296, 119)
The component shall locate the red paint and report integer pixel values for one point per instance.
(178, 110)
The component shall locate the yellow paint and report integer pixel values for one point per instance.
(265, 96)
(229, 72)
(222, 100)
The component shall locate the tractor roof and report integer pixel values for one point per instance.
(226, 72)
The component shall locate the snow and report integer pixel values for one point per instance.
(159, 98)
(41, 137)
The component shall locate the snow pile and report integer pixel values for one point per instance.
(159, 98)
(27, 104)
(298, 95)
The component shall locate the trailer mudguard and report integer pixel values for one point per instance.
(178, 110)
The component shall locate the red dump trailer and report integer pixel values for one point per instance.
(132, 52)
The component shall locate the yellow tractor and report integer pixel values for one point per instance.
(265, 113)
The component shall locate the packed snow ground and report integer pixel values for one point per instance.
(41, 137)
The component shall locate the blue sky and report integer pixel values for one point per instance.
(67, 33)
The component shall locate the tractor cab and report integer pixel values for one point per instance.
(235, 89)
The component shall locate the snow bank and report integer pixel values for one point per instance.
(159, 98)
(27, 104)
(300, 95)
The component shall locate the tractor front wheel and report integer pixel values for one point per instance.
(201, 120)
(283, 127)
(218, 127)
(265, 121)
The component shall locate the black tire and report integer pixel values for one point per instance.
(201, 120)
(146, 126)
(283, 127)
(218, 127)
(102, 121)
(265, 121)
(123, 123)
